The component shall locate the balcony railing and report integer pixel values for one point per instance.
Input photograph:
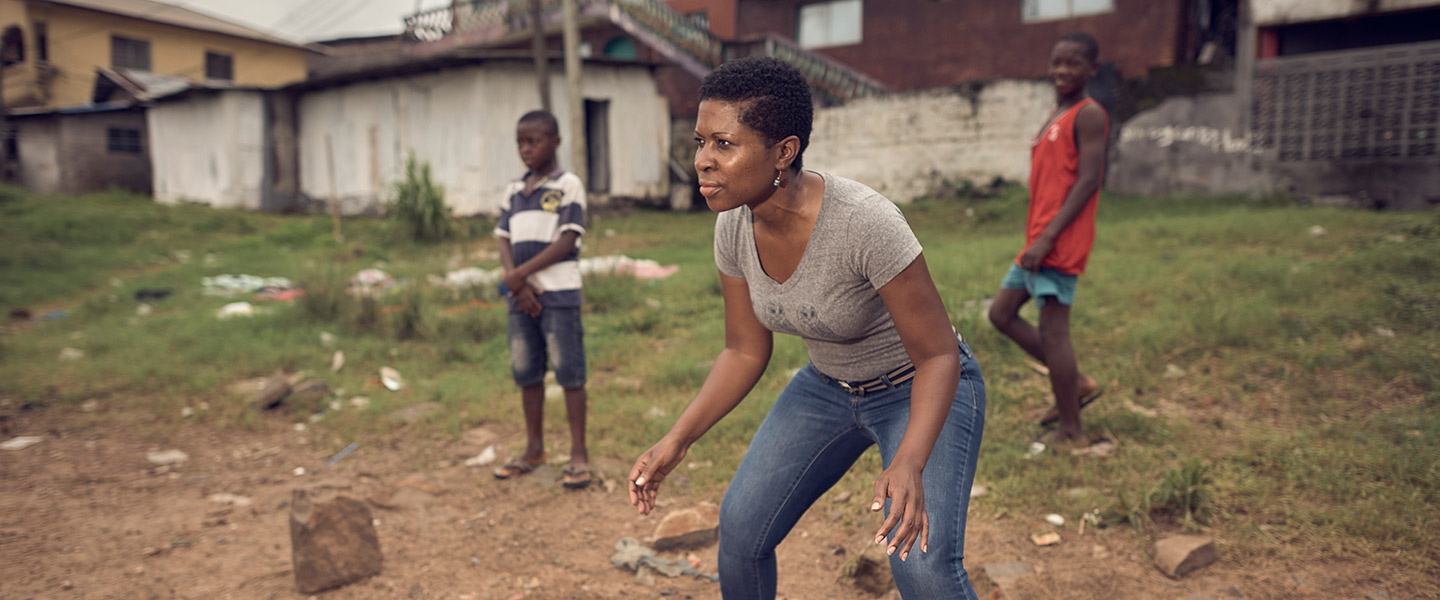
(692, 47)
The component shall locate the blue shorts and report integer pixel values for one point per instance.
(1046, 283)
(557, 335)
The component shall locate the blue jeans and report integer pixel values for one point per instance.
(811, 437)
(555, 334)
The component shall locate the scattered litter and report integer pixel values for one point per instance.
(167, 457)
(90, 406)
(360, 402)
(655, 412)
(230, 285)
(235, 309)
(21, 443)
(327, 339)
(1055, 520)
(299, 427)
(391, 378)
(471, 277)
(842, 497)
(53, 315)
(1385, 332)
(187, 412)
(72, 354)
(1173, 372)
(485, 457)
(1035, 449)
(317, 417)
(151, 295)
(1317, 230)
(336, 405)
(624, 265)
(371, 282)
(1037, 367)
(693, 560)
(341, 454)
(274, 294)
(631, 555)
(337, 361)
(1045, 539)
(232, 499)
(1140, 410)
(143, 309)
(299, 471)
(978, 490)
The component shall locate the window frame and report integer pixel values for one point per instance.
(1070, 12)
(832, 37)
(123, 140)
(119, 41)
(211, 57)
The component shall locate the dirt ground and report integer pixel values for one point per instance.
(83, 514)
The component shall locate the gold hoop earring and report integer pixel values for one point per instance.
(776, 183)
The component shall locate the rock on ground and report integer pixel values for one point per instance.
(688, 528)
(333, 541)
(1177, 555)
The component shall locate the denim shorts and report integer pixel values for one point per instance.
(555, 335)
(1047, 282)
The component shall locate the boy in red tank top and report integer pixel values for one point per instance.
(1067, 158)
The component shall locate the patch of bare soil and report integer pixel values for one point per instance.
(84, 514)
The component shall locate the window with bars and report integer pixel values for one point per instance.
(123, 141)
(1381, 103)
(219, 66)
(129, 53)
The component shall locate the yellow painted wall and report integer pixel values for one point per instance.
(79, 42)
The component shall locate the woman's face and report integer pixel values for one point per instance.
(734, 164)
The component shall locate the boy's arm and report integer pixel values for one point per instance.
(515, 274)
(1090, 138)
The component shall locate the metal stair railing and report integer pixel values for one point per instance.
(834, 79)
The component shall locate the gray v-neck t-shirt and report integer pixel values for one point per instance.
(832, 301)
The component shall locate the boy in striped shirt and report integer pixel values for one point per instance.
(541, 221)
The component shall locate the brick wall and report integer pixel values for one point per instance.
(914, 44)
(911, 145)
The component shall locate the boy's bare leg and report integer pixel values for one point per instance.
(1064, 373)
(575, 401)
(1005, 316)
(533, 397)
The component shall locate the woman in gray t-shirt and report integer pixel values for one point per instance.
(829, 260)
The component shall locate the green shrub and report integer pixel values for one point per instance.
(419, 204)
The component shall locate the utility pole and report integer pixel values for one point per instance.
(542, 57)
(578, 163)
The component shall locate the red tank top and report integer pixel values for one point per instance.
(1054, 169)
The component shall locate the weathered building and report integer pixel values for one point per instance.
(82, 149)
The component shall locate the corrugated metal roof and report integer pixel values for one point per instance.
(170, 14)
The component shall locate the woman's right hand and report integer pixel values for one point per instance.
(650, 469)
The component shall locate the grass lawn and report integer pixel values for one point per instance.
(1271, 370)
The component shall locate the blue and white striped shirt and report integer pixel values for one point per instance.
(532, 221)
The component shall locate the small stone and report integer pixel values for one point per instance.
(1045, 539)
(554, 392)
(1379, 595)
(67, 585)
(1385, 332)
(1055, 520)
(167, 457)
(1178, 555)
(187, 412)
(842, 497)
(327, 339)
(1099, 552)
(90, 406)
(144, 309)
(978, 490)
(337, 361)
(333, 541)
(688, 528)
(1317, 231)
(1172, 371)
(299, 471)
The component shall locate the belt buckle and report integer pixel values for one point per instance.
(854, 390)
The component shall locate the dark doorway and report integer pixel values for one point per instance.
(597, 144)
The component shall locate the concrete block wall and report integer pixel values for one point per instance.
(911, 145)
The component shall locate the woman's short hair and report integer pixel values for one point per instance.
(775, 98)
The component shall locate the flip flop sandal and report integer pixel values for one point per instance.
(516, 467)
(1053, 415)
(576, 477)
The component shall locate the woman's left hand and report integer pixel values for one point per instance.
(903, 484)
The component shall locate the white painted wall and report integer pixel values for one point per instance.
(210, 148)
(462, 120)
(1281, 12)
(910, 145)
